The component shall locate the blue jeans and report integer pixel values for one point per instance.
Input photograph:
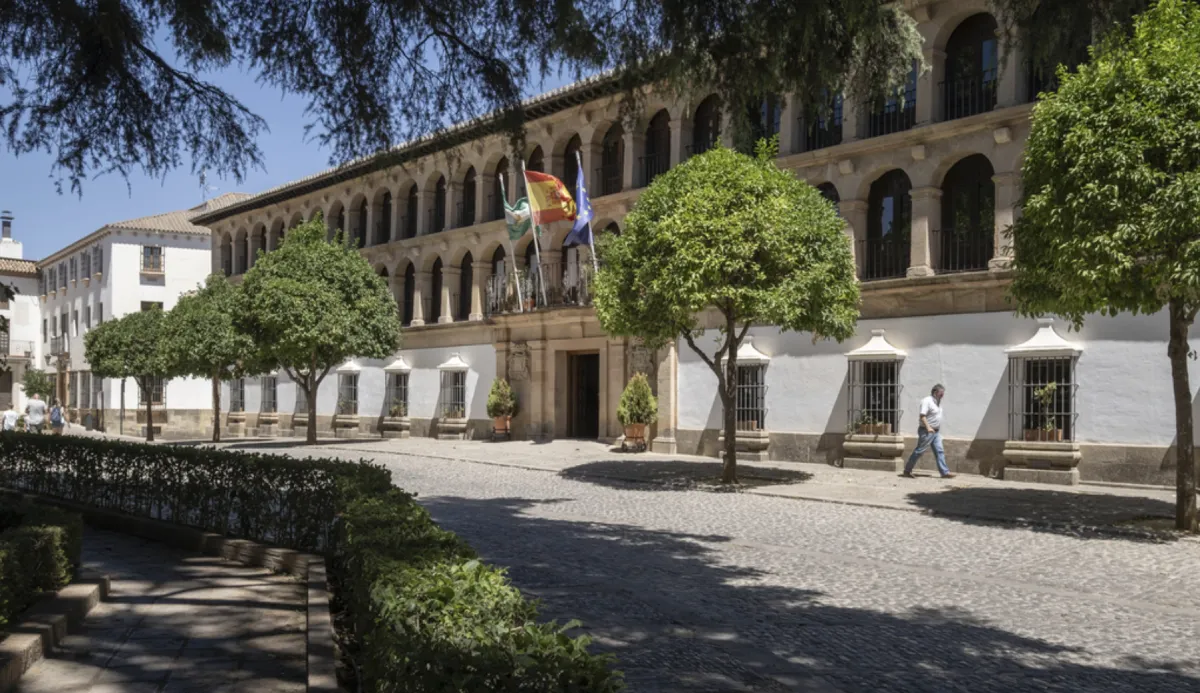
(925, 440)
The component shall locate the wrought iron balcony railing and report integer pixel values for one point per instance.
(555, 285)
(961, 250)
(883, 258)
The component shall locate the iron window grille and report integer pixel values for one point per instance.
(156, 392)
(152, 258)
(397, 394)
(87, 317)
(85, 264)
(269, 387)
(53, 281)
(237, 396)
(1041, 398)
(99, 313)
(62, 275)
(98, 259)
(348, 394)
(454, 394)
(85, 389)
(74, 270)
(751, 397)
(73, 390)
(874, 397)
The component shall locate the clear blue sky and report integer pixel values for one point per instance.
(46, 221)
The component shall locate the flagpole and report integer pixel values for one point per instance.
(537, 250)
(512, 254)
(591, 236)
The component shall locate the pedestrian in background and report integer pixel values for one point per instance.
(929, 433)
(35, 414)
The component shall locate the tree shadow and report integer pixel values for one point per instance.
(677, 475)
(1081, 515)
(681, 617)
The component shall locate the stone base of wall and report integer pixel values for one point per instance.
(1126, 464)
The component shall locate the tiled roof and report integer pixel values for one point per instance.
(180, 221)
(10, 265)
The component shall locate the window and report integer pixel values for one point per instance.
(751, 397)
(45, 331)
(62, 324)
(972, 62)
(41, 282)
(824, 126)
(706, 125)
(885, 249)
(152, 258)
(1041, 398)
(658, 147)
(87, 317)
(612, 160)
(85, 389)
(466, 208)
(99, 313)
(156, 392)
(439, 206)
(53, 283)
(151, 305)
(74, 271)
(268, 385)
(75, 322)
(454, 394)
(347, 394)
(967, 238)
(73, 390)
(237, 396)
(413, 209)
(895, 114)
(397, 395)
(98, 259)
(383, 227)
(874, 394)
(85, 263)
(62, 275)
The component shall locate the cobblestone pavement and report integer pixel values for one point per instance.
(699, 591)
(177, 621)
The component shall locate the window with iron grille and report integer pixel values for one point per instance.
(85, 264)
(1041, 398)
(751, 397)
(151, 305)
(269, 386)
(73, 389)
(397, 395)
(237, 396)
(41, 283)
(87, 317)
(99, 313)
(152, 258)
(454, 394)
(62, 275)
(98, 259)
(85, 389)
(74, 270)
(156, 392)
(53, 279)
(348, 394)
(874, 397)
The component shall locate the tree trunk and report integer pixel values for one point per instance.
(1185, 460)
(122, 426)
(149, 416)
(729, 403)
(216, 382)
(311, 437)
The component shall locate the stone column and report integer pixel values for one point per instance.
(483, 188)
(926, 217)
(398, 208)
(1008, 196)
(726, 126)
(419, 291)
(538, 354)
(353, 221)
(425, 200)
(633, 152)
(453, 199)
(668, 413)
(855, 214)
(451, 277)
(789, 136)
(1013, 88)
(929, 87)
(616, 385)
(681, 136)
(479, 273)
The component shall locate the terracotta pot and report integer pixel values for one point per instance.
(635, 432)
(1041, 435)
(500, 423)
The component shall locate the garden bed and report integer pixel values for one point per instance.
(39, 552)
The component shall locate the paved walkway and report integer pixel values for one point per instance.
(176, 621)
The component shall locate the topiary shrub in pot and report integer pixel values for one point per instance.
(637, 409)
(501, 406)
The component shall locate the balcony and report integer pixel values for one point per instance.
(890, 117)
(653, 165)
(610, 179)
(968, 97)
(60, 346)
(883, 258)
(15, 348)
(967, 250)
(564, 286)
(822, 134)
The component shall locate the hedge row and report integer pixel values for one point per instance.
(427, 615)
(39, 546)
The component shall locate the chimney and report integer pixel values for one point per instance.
(6, 218)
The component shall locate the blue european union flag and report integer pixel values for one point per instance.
(581, 232)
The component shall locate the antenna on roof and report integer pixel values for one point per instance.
(205, 188)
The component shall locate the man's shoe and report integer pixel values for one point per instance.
(949, 476)
(908, 475)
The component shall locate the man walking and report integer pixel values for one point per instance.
(35, 414)
(929, 433)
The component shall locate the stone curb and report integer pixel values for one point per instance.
(321, 650)
(46, 624)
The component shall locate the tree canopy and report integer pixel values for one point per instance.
(126, 84)
(201, 340)
(37, 382)
(131, 347)
(1111, 217)
(313, 304)
(738, 235)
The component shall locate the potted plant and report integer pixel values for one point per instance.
(1048, 430)
(395, 423)
(501, 406)
(868, 425)
(637, 409)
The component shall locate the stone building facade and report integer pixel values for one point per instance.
(928, 185)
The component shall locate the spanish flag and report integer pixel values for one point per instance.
(548, 198)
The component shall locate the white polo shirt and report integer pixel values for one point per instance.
(932, 411)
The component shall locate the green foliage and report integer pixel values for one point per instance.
(424, 612)
(39, 545)
(1045, 398)
(128, 347)
(501, 401)
(37, 382)
(637, 405)
(200, 338)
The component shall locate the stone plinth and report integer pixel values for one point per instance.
(395, 427)
(235, 424)
(451, 429)
(751, 445)
(345, 426)
(268, 425)
(882, 453)
(1042, 462)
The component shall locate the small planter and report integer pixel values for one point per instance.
(1041, 435)
(747, 425)
(635, 437)
(874, 429)
(501, 425)
(395, 427)
(345, 426)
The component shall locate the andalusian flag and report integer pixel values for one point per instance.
(517, 217)
(548, 198)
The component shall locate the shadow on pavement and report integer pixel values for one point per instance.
(1055, 512)
(677, 475)
(681, 618)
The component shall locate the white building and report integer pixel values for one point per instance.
(124, 267)
(21, 345)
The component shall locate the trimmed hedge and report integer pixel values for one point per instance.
(427, 615)
(39, 547)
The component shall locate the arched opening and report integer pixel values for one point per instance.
(410, 288)
(243, 253)
(360, 225)
(658, 147)
(972, 68)
(576, 275)
(895, 114)
(335, 223)
(435, 294)
(764, 118)
(439, 205)
(829, 191)
(537, 161)
(966, 240)
(383, 274)
(258, 243)
(1071, 49)
(612, 160)
(412, 212)
(531, 286)
(226, 256)
(275, 236)
(706, 125)
(466, 208)
(497, 299)
(466, 279)
(383, 226)
(571, 158)
(889, 226)
(500, 184)
(823, 123)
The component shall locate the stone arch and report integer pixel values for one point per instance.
(241, 251)
(437, 279)
(950, 18)
(382, 205)
(335, 220)
(226, 255)
(258, 242)
(829, 191)
(500, 169)
(468, 188)
(357, 218)
(410, 197)
(407, 302)
(612, 159)
(437, 211)
(536, 161)
(656, 147)
(971, 69)
(466, 280)
(706, 125)
(968, 215)
(296, 220)
(570, 162)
